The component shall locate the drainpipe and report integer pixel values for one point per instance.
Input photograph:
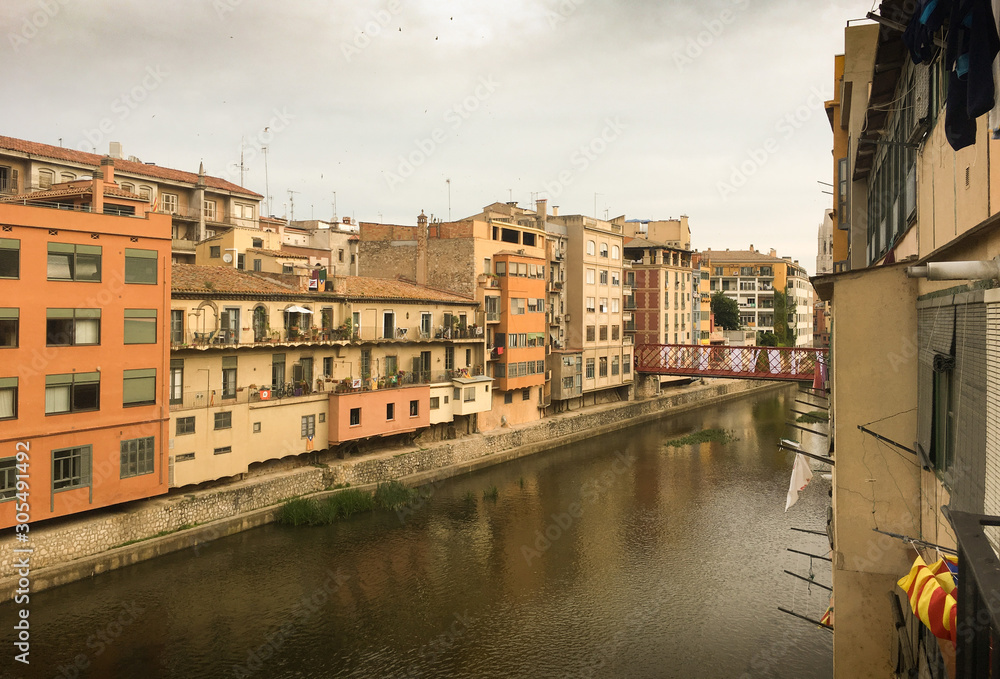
(949, 271)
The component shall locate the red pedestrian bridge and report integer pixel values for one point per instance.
(761, 363)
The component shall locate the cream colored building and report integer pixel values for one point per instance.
(261, 367)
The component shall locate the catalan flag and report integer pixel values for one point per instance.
(931, 591)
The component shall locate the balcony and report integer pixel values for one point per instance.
(488, 280)
(629, 326)
(629, 304)
(226, 338)
(555, 286)
(492, 316)
(253, 394)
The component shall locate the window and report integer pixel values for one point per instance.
(627, 364)
(501, 268)
(603, 366)
(590, 368)
(943, 424)
(46, 178)
(591, 247)
(215, 251)
(615, 252)
(355, 417)
(8, 478)
(229, 377)
(277, 369)
(8, 398)
(224, 450)
(614, 333)
(590, 276)
(168, 202)
(66, 177)
(435, 402)
(139, 387)
(245, 211)
(146, 193)
(72, 392)
(71, 468)
(68, 262)
(184, 457)
(208, 207)
(604, 249)
(425, 324)
(614, 305)
(308, 427)
(140, 326)
(469, 394)
(508, 397)
(10, 258)
(603, 308)
(414, 408)
(614, 365)
(517, 305)
(603, 277)
(137, 456)
(140, 266)
(391, 366)
(126, 186)
(526, 394)
(328, 365)
(224, 420)
(591, 333)
(256, 427)
(185, 425)
(9, 327)
(241, 261)
(604, 333)
(257, 265)
(449, 358)
(590, 305)
(287, 268)
(499, 371)
(177, 326)
(390, 411)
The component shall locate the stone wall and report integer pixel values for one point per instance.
(388, 259)
(87, 544)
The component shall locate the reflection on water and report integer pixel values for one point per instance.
(616, 557)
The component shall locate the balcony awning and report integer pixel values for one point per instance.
(297, 310)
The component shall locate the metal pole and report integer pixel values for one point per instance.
(815, 622)
(811, 431)
(811, 582)
(886, 440)
(815, 556)
(813, 532)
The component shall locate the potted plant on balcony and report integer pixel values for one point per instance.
(293, 332)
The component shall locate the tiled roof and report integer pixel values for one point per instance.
(646, 243)
(69, 191)
(198, 278)
(384, 288)
(127, 166)
(740, 256)
(277, 253)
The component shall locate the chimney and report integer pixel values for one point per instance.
(108, 169)
(555, 210)
(421, 272)
(751, 248)
(542, 207)
(115, 149)
(774, 253)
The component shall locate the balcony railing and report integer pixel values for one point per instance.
(248, 337)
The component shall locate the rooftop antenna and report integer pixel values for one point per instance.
(291, 203)
(448, 182)
(334, 206)
(243, 168)
(267, 189)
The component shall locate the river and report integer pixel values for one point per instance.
(615, 557)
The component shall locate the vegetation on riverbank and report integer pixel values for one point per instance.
(814, 416)
(703, 436)
(304, 511)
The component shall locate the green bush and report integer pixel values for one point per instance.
(393, 495)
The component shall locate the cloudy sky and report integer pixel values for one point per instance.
(651, 109)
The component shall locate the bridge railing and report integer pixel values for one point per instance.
(773, 363)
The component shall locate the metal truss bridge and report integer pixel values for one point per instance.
(761, 363)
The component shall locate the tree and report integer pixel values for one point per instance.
(727, 312)
(784, 333)
(767, 339)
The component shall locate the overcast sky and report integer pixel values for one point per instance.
(711, 109)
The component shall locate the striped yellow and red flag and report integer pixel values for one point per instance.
(931, 591)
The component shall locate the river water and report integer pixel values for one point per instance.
(615, 557)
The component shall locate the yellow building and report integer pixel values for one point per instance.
(261, 368)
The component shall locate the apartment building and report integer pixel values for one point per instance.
(751, 278)
(914, 337)
(329, 244)
(497, 258)
(263, 368)
(84, 284)
(663, 293)
(200, 205)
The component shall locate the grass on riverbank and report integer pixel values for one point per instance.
(305, 511)
(704, 436)
(813, 417)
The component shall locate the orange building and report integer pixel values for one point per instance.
(84, 285)
(519, 339)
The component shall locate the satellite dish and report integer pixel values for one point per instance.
(227, 258)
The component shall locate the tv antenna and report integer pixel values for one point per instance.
(291, 203)
(267, 189)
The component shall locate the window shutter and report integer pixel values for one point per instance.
(13, 181)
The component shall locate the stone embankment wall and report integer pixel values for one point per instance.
(71, 549)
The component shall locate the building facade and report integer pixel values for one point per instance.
(83, 390)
